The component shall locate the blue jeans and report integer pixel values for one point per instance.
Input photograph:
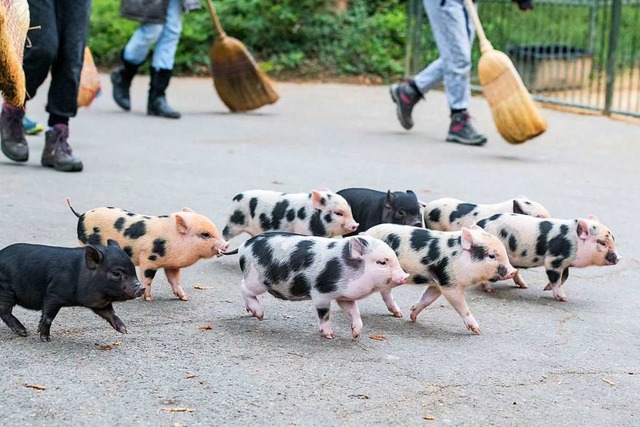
(453, 31)
(166, 36)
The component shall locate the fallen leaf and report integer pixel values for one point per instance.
(360, 396)
(378, 337)
(611, 383)
(178, 409)
(202, 288)
(428, 418)
(188, 377)
(36, 386)
(104, 347)
(275, 181)
(206, 327)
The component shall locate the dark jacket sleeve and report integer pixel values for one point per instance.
(152, 12)
(189, 5)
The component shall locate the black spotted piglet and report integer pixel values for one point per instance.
(294, 267)
(448, 262)
(170, 241)
(319, 213)
(556, 244)
(47, 278)
(453, 214)
(372, 207)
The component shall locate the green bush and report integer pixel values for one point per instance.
(301, 37)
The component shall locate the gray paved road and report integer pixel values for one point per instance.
(537, 361)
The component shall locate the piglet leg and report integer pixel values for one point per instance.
(555, 282)
(173, 276)
(108, 314)
(351, 308)
(6, 306)
(323, 307)
(430, 295)
(250, 291)
(50, 310)
(147, 277)
(391, 303)
(456, 298)
(519, 281)
(486, 286)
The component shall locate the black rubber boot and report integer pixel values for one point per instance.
(14, 144)
(406, 95)
(462, 131)
(121, 79)
(57, 153)
(157, 105)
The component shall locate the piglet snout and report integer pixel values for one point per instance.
(220, 246)
(352, 226)
(400, 278)
(506, 273)
(139, 291)
(613, 258)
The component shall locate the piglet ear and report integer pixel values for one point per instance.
(410, 192)
(357, 247)
(318, 199)
(388, 201)
(583, 229)
(593, 217)
(181, 224)
(475, 226)
(112, 242)
(517, 209)
(467, 239)
(92, 256)
(423, 204)
(185, 209)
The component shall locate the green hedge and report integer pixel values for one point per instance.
(288, 37)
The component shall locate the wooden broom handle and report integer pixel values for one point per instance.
(485, 44)
(216, 21)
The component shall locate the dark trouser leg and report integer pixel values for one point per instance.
(72, 17)
(44, 44)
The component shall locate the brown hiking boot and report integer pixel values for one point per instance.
(14, 144)
(57, 153)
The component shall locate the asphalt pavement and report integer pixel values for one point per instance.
(537, 362)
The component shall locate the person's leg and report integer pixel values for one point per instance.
(453, 32)
(133, 55)
(72, 17)
(37, 62)
(163, 61)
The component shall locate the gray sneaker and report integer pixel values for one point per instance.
(57, 153)
(406, 95)
(14, 143)
(462, 131)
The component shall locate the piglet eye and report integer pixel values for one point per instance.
(401, 213)
(205, 235)
(602, 242)
(382, 262)
(491, 256)
(338, 213)
(115, 275)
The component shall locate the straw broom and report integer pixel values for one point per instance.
(14, 24)
(240, 83)
(515, 114)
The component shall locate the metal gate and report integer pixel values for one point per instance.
(578, 53)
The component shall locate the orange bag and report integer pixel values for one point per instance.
(90, 85)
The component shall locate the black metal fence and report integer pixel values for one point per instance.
(578, 53)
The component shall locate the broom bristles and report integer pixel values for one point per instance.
(515, 114)
(240, 83)
(12, 80)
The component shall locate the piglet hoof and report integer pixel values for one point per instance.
(256, 314)
(548, 287)
(22, 332)
(522, 285)
(45, 338)
(397, 314)
(413, 316)
(474, 328)
(148, 298)
(328, 334)
(121, 328)
(355, 333)
(183, 297)
(560, 297)
(488, 288)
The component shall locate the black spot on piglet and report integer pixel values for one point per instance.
(119, 223)
(159, 247)
(136, 230)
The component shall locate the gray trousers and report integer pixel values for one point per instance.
(58, 46)
(453, 32)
